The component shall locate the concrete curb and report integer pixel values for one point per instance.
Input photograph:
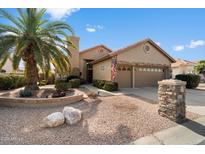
(188, 133)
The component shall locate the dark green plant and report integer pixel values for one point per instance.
(70, 77)
(35, 40)
(99, 83)
(6, 82)
(82, 81)
(110, 86)
(192, 80)
(19, 81)
(106, 85)
(75, 83)
(62, 85)
(25, 93)
(200, 67)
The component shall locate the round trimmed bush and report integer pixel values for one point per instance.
(75, 83)
(70, 77)
(99, 83)
(110, 86)
(62, 85)
(192, 80)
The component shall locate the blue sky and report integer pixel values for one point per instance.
(180, 32)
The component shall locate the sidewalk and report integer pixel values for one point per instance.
(101, 92)
(190, 132)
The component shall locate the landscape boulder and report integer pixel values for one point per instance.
(72, 115)
(53, 120)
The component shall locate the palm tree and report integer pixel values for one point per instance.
(36, 41)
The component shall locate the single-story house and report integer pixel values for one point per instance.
(141, 64)
(183, 67)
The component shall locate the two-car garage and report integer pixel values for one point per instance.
(130, 77)
(142, 64)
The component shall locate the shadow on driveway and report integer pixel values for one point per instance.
(195, 127)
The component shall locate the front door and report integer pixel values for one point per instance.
(89, 73)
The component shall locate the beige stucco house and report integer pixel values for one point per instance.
(141, 64)
(9, 69)
(182, 67)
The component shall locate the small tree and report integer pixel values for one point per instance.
(36, 41)
(200, 67)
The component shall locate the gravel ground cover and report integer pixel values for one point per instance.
(106, 120)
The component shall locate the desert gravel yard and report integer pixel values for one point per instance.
(106, 120)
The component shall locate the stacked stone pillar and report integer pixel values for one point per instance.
(171, 96)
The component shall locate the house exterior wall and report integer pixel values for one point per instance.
(93, 54)
(138, 55)
(8, 66)
(74, 59)
(183, 69)
(102, 70)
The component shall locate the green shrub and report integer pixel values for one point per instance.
(62, 85)
(19, 81)
(70, 77)
(25, 93)
(75, 83)
(82, 81)
(98, 83)
(110, 86)
(11, 81)
(106, 85)
(192, 80)
(6, 82)
(49, 80)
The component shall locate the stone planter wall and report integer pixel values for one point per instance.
(171, 96)
(39, 102)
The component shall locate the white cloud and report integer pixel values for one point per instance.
(93, 28)
(179, 47)
(195, 44)
(8, 33)
(192, 44)
(158, 43)
(60, 13)
(100, 27)
(90, 29)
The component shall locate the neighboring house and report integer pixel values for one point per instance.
(141, 64)
(8, 66)
(9, 69)
(182, 67)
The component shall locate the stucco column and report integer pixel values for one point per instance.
(133, 76)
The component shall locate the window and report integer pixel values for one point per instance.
(102, 67)
(128, 69)
(123, 69)
(148, 69)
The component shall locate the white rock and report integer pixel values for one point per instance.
(72, 115)
(53, 120)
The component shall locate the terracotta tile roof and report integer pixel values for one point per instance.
(180, 62)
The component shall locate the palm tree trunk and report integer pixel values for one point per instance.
(31, 71)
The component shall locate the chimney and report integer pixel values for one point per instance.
(74, 60)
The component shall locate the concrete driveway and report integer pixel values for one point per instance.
(195, 99)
